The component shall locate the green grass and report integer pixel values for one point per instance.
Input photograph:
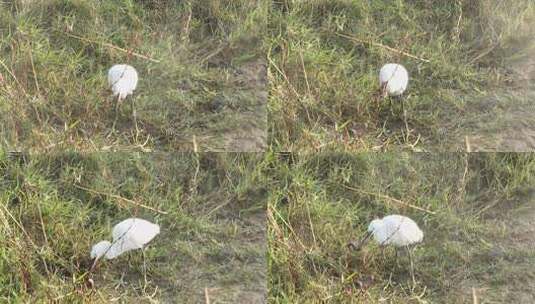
(202, 75)
(464, 203)
(211, 209)
(323, 85)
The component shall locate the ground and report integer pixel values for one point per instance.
(210, 207)
(476, 211)
(202, 86)
(513, 109)
(511, 279)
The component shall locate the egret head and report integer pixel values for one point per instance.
(100, 249)
(375, 225)
(121, 96)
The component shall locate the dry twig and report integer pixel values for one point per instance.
(386, 47)
(395, 200)
(109, 45)
(121, 198)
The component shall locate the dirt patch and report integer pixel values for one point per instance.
(253, 137)
(510, 277)
(228, 271)
(514, 132)
(513, 128)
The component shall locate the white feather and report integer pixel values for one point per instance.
(394, 78)
(130, 234)
(122, 79)
(395, 230)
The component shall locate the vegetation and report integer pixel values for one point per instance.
(465, 93)
(204, 69)
(202, 75)
(476, 211)
(211, 209)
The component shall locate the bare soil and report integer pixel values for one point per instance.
(510, 277)
(511, 125)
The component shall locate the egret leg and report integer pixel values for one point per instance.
(412, 265)
(383, 254)
(144, 267)
(405, 117)
(134, 115)
(116, 115)
(397, 254)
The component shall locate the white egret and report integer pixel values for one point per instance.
(122, 79)
(396, 230)
(130, 234)
(393, 79)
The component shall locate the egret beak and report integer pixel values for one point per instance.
(94, 263)
(384, 92)
(361, 242)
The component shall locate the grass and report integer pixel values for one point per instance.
(476, 211)
(211, 209)
(325, 57)
(202, 75)
(205, 67)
